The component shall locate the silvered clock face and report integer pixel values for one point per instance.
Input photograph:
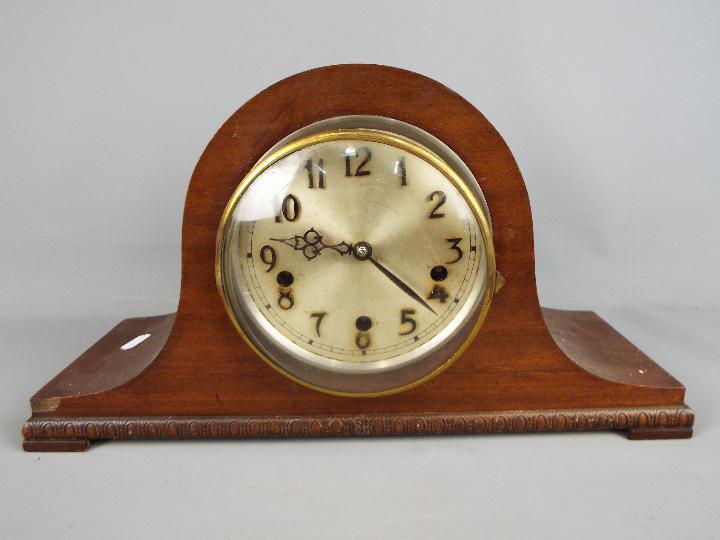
(352, 254)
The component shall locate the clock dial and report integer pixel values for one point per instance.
(353, 254)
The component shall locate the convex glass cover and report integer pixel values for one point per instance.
(356, 261)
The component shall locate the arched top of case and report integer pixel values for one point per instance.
(357, 89)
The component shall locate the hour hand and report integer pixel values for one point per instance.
(311, 244)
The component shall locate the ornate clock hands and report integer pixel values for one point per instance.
(363, 252)
(311, 244)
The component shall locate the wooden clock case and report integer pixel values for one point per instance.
(528, 370)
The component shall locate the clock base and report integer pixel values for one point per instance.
(638, 423)
(586, 339)
(57, 445)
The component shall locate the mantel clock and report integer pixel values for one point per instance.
(357, 259)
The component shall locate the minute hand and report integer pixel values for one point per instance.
(400, 283)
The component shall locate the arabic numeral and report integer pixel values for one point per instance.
(286, 300)
(311, 175)
(455, 246)
(289, 209)
(268, 256)
(406, 319)
(350, 153)
(402, 172)
(434, 214)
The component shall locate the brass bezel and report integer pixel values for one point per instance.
(402, 143)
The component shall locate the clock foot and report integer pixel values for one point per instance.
(654, 433)
(56, 445)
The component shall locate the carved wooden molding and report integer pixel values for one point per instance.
(359, 425)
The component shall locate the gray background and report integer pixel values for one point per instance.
(612, 111)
